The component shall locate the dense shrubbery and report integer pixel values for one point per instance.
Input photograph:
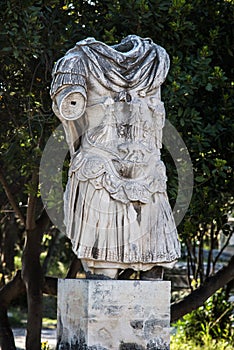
(212, 322)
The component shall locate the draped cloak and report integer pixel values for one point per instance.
(116, 206)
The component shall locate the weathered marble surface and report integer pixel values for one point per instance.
(110, 314)
(109, 101)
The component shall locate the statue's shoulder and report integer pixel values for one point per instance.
(75, 58)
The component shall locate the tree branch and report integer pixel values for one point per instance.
(223, 247)
(74, 268)
(16, 287)
(43, 221)
(201, 294)
(11, 198)
(32, 200)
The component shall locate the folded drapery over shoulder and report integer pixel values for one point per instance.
(143, 67)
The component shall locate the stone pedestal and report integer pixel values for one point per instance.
(113, 314)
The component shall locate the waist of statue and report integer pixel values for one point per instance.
(94, 162)
(125, 181)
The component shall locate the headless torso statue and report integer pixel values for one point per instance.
(117, 213)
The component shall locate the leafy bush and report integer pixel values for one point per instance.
(207, 324)
(183, 344)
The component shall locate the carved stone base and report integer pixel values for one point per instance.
(113, 314)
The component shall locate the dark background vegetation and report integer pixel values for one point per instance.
(198, 96)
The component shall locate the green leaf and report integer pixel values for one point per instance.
(199, 179)
(209, 87)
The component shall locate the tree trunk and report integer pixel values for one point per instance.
(201, 294)
(32, 275)
(32, 272)
(10, 236)
(33, 278)
(8, 293)
(6, 335)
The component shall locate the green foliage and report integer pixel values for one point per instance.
(17, 317)
(18, 314)
(212, 321)
(178, 343)
(49, 311)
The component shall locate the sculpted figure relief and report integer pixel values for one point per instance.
(117, 213)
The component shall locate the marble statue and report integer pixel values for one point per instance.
(116, 209)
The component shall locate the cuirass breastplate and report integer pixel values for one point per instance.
(122, 153)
